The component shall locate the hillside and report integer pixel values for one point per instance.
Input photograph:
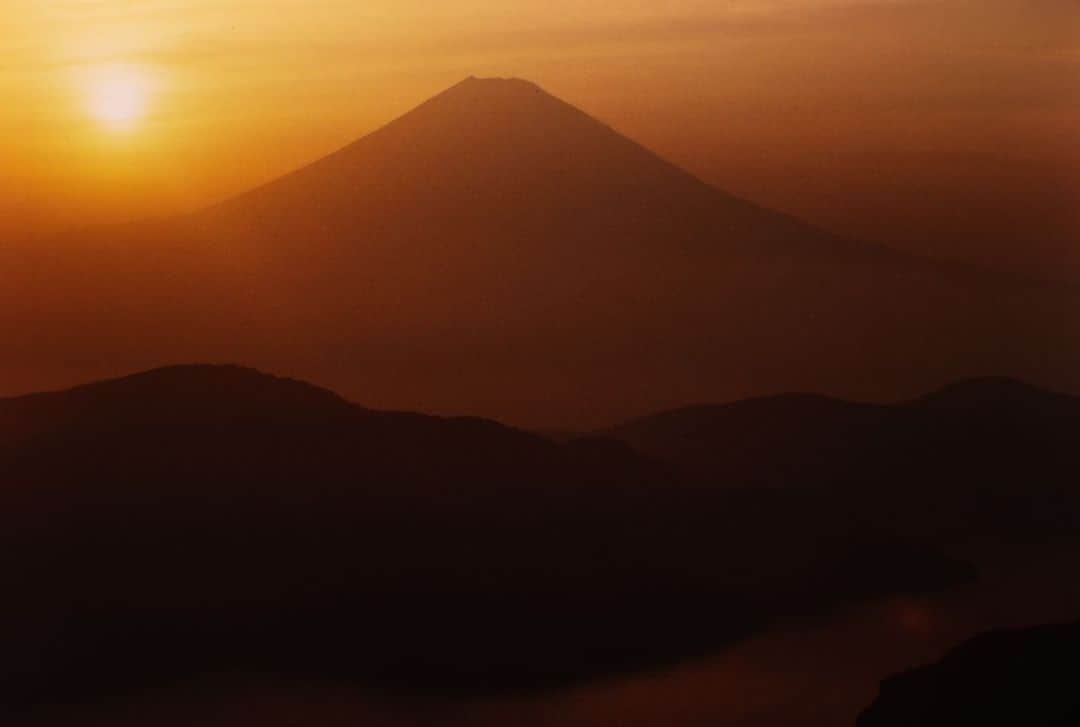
(197, 520)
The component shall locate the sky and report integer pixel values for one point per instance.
(946, 127)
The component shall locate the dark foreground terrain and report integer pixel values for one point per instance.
(212, 531)
(1024, 677)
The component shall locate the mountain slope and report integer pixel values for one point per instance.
(497, 251)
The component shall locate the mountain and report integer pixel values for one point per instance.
(205, 519)
(774, 441)
(237, 421)
(498, 252)
(990, 457)
(1021, 677)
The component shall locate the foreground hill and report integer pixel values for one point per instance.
(497, 251)
(1025, 677)
(980, 457)
(203, 519)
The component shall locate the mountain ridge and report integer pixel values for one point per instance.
(994, 387)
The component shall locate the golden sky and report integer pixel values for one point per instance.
(124, 108)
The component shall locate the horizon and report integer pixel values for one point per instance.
(926, 157)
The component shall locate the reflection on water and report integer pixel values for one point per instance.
(805, 675)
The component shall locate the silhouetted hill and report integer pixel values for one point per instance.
(771, 442)
(214, 519)
(497, 251)
(235, 420)
(984, 456)
(181, 393)
(1025, 677)
(1001, 395)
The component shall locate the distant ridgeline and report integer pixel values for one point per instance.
(981, 457)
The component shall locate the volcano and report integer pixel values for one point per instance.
(498, 252)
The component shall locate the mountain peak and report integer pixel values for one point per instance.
(476, 96)
(491, 147)
(497, 84)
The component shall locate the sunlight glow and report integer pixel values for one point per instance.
(117, 97)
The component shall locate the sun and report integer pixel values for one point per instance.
(117, 97)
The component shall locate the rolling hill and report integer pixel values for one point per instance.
(203, 519)
(982, 457)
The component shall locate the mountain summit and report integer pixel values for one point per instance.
(497, 251)
(488, 153)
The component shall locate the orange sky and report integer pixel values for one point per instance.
(949, 126)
